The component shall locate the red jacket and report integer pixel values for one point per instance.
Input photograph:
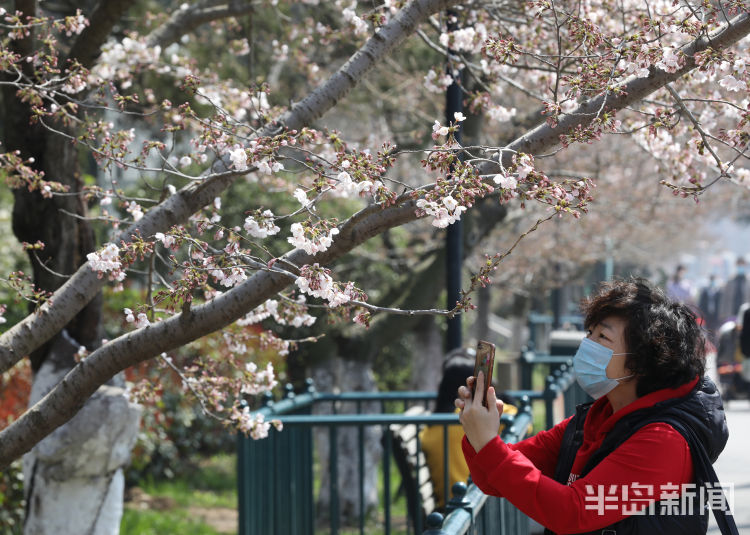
(632, 476)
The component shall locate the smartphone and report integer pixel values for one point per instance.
(485, 361)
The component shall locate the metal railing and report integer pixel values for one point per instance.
(276, 474)
(540, 327)
(559, 380)
(277, 478)
(472, 511)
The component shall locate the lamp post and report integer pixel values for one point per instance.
(454, 236)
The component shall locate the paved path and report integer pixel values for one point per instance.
(733, 465)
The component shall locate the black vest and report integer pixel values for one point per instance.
(663, 524)
(696, 417)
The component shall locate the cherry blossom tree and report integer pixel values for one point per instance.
(178, 105)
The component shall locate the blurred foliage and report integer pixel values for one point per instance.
(12, 503)
(173, 434)
(15, 387)
(392, 370)
(212, 484)
(12, 259)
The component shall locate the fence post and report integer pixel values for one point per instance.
(526, 367)
(459, 500)
(549, 399)
(434, 524)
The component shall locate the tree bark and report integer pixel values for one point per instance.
(79, 467)
(340, 375)
(427, 364)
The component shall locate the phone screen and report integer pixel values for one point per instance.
(485, 361)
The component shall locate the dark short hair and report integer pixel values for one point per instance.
(665, 342)
(457, 367)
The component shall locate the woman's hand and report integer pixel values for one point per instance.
(480, 423)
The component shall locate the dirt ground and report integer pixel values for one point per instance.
(222, 519)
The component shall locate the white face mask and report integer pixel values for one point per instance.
(590, 366)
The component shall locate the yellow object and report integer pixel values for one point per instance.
(432, 446)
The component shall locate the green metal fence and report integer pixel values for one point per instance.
(559, 381)
(276, 474)
(472, 511)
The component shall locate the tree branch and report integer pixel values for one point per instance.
(88, 44)
(66, 398)
(36, 329)
(183, 21)
(544, 137)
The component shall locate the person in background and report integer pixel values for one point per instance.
(735, 292)
(708, 303)
(618, 463)
(678, 287)
(457, 367)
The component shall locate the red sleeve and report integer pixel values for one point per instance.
(646, 464)
(542, 449)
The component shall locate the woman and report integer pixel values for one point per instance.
(622, 464)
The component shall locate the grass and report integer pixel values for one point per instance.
(160, 522)
(213, 484)
(374, 523)
(538, 375)
(170, 505)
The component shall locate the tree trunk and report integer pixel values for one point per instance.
(78, 468)
(339, 375)
(427, 364)
(482, 322)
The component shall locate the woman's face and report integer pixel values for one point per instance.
(610, 332)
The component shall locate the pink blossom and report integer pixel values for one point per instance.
(135, 210)
(259, 313)
(436, 83)
(670, 61)
(236, 276)
(166, 239)
(439, 130)
(505, 181)
(314, 245)
(346, 187)
(442, 216)
(317, 282)
(501, 114)
(262, 227)
(141, 320)
(238, 156)
(107, 260)
(524, 167)
(730, 83)
(301, 197)
(75, 24)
